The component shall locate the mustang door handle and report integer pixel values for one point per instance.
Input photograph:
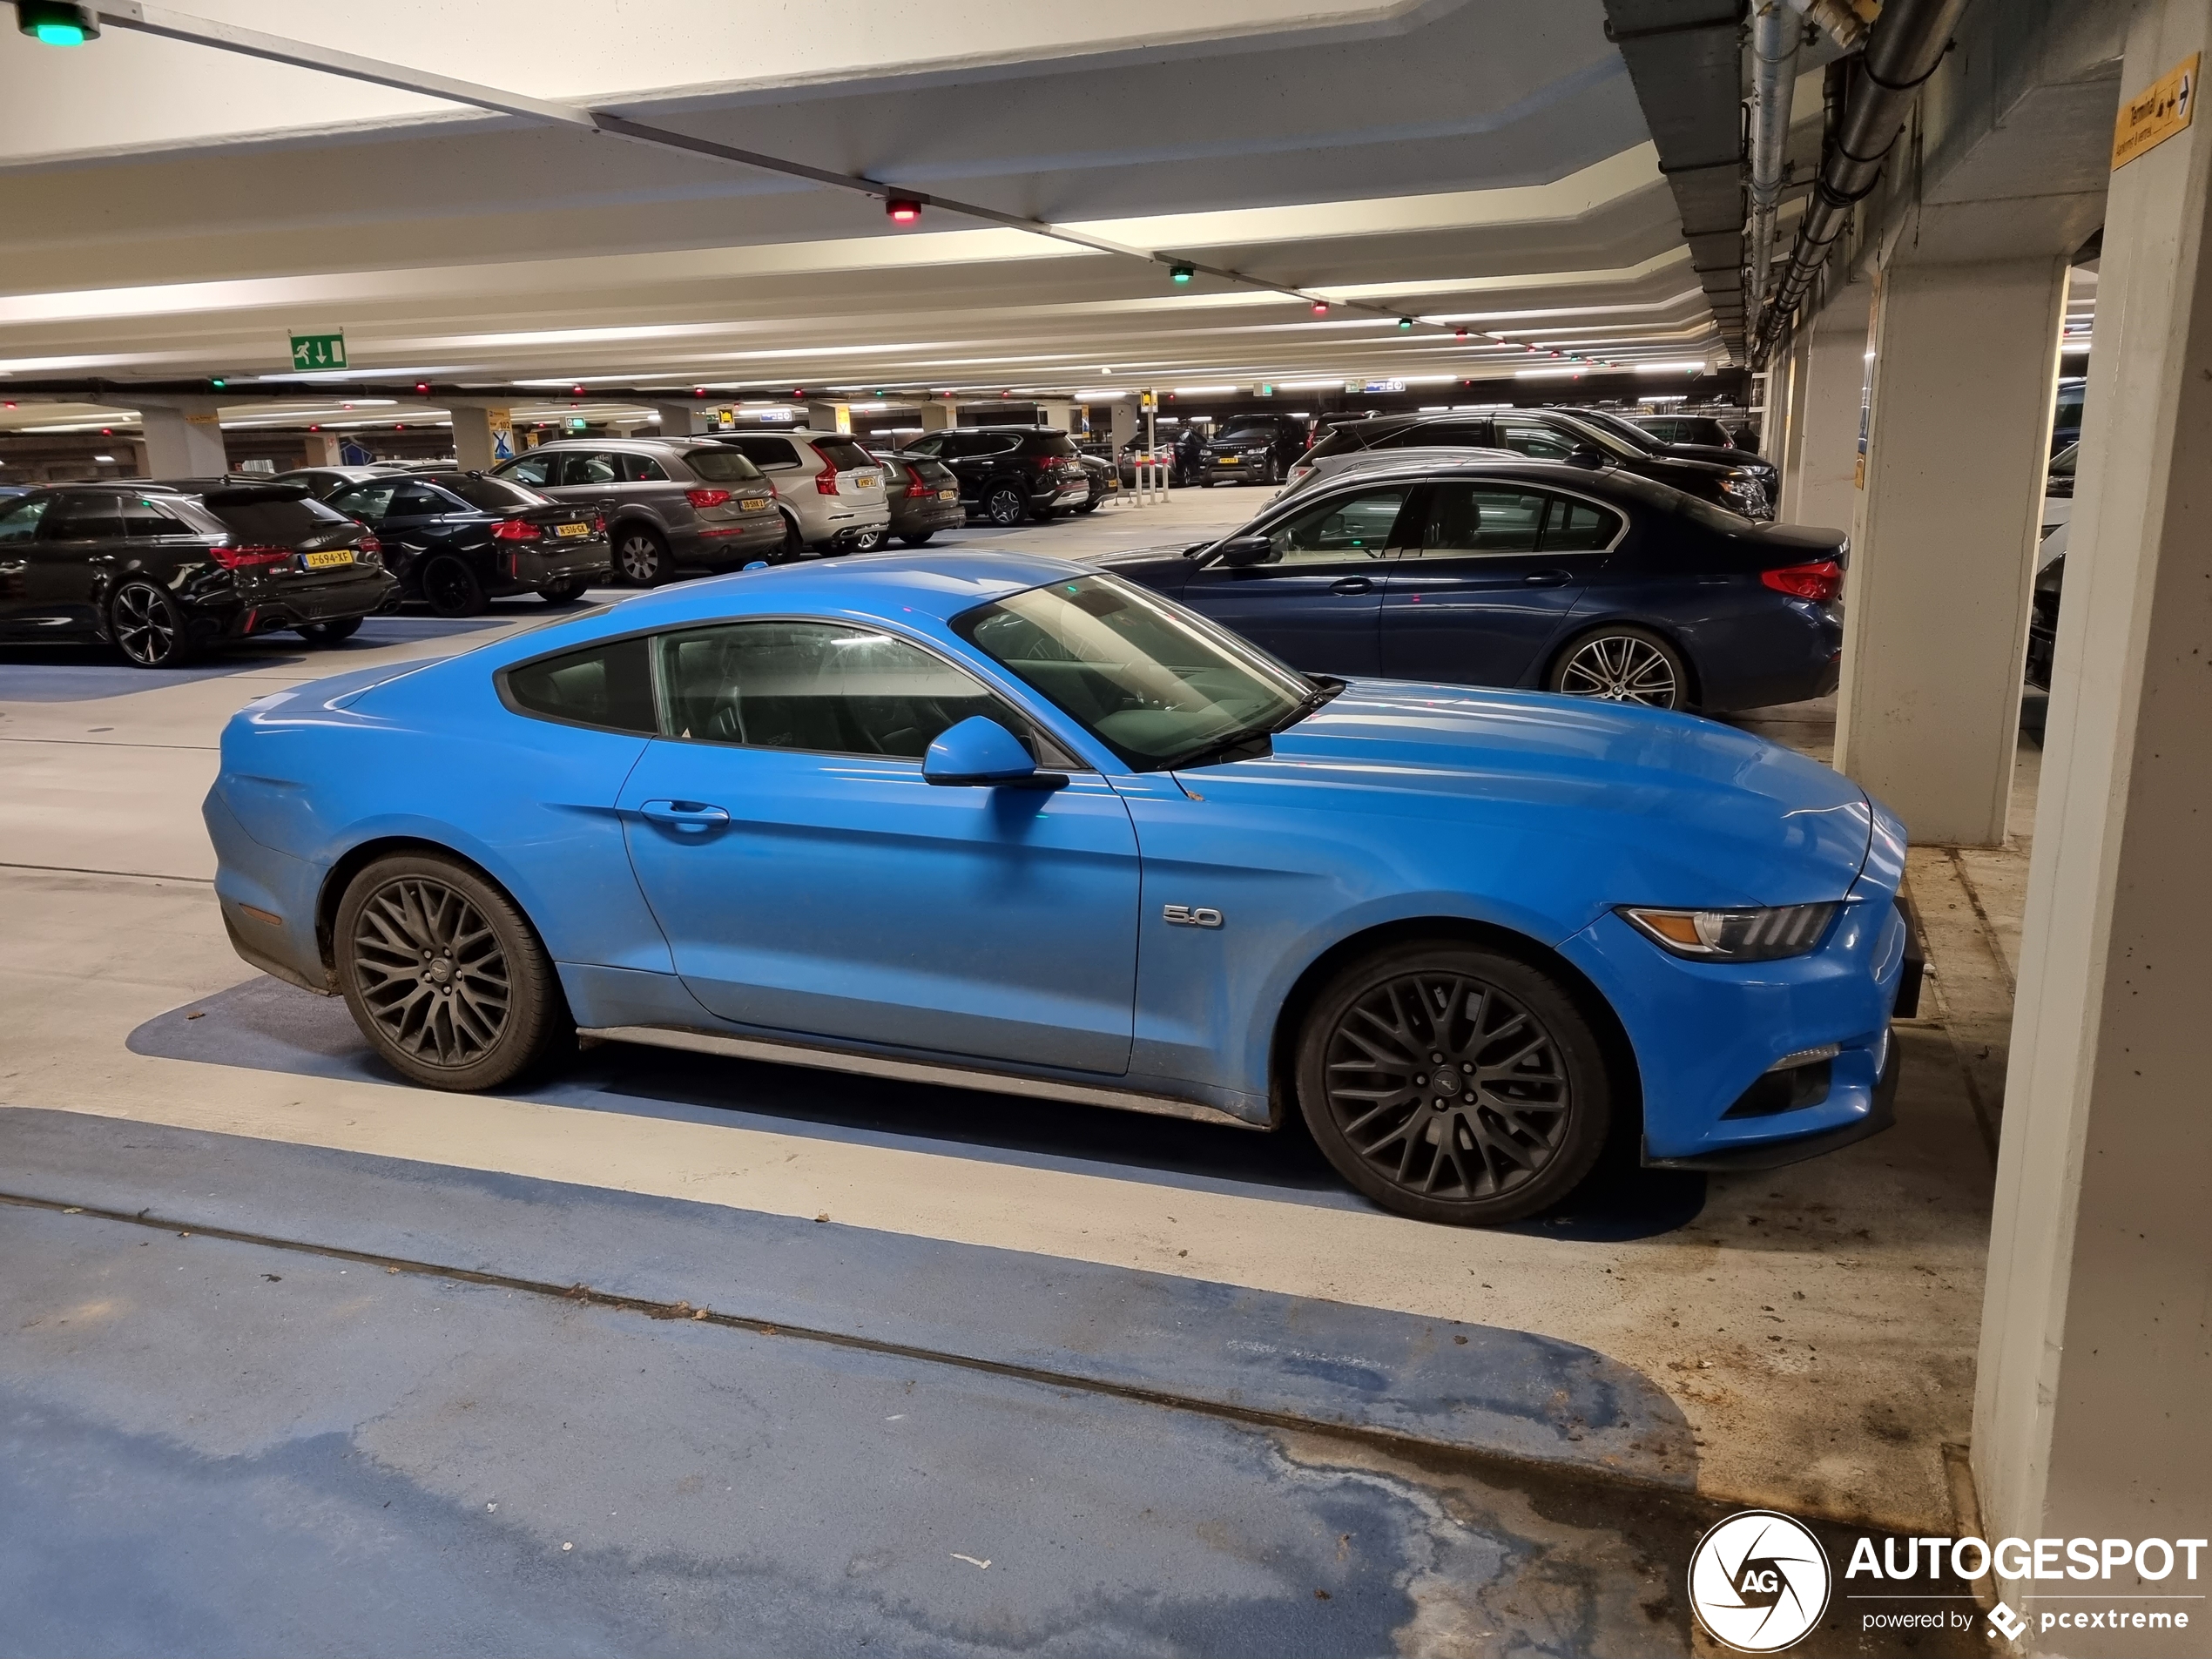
(1548, 578)
(1353, 584)
(685, 814)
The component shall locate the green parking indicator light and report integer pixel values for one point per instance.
(1181, 272)
(219, 385)
(1405, 323)
(54, 24)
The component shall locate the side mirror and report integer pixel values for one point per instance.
(1583, 454)
(981, 750)
(1239, 550)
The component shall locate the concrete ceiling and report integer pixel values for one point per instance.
(168, 211)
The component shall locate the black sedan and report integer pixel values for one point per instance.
(164, 571)
(1549, 576)
(456, 540)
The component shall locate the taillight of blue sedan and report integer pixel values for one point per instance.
(1011, 824)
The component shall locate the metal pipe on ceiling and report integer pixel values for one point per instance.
(1903, 48)
(1775, 33)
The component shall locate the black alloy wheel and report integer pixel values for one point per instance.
(1004, 506)
(451, 589)
(919, 539)
(444, 975)
(147, 627)
(1622, 665)
(641, 557)
(1454, 1084)
(329, 633)
(566, 591)
(1274, 470)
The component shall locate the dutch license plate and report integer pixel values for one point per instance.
(948, 494)
(1228, 461)
(754, 504)
(869, 480)
(573, 529)
(327, 560)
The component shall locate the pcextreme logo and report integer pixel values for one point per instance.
(1758, 1581)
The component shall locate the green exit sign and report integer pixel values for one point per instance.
(319, 351)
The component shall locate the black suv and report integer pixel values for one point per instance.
(1746, 485)
(1009, 473)
(1252, 449)
(163, 570)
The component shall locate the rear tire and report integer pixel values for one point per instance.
(1455, 1084)
(329, 633)
(922, 539)
(566, 592)
(1004, 506)
(1623, 664)
(1088, 506)
(794, 547)
(641, 557)
(445, 976)
(451, 589)
(148, 627)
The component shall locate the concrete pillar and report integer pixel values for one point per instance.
(184, 439)
(1784, 441)
(1057, 412)
(937, 416)
(681, 420)
(1123, 416)
(472, 439)
(829, 417)
(1828, 391)
(1943, 548)
(2090, 1398)
(322, 449)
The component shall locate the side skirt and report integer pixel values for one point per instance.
(917, 1071)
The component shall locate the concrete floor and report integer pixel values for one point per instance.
(1803, 1338)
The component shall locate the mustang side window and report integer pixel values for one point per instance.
(608, 685)
(823, 687)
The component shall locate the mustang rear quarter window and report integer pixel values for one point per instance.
(608, 685)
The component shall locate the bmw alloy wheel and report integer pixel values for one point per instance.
(1621, 668)
(146, 626)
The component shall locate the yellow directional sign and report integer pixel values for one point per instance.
(2155, 114)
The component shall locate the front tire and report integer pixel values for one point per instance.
(329, 633)
(921, 540)
(147, 626)
(865, 541)
(1455, 1084)
(451, 589)
(444, 975)
(1622, 665)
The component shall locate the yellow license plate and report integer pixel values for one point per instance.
(1229, 461)
(754, 504)
(572, 530)
(948, 494)
(324, 561)
(868, 480)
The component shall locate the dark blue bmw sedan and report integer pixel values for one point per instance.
(1542, 575)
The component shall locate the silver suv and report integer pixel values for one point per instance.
(829, 487)
(668, 501)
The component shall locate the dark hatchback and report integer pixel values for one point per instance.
(163, 571)
(1252, 449)
(1742, 485)
(924, 496)
(1542, 575)
(1007, 474)
(456, 540)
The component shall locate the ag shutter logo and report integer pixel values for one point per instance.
(1758, 1581)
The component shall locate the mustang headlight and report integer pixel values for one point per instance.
(1734, 936)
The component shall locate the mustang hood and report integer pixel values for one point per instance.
(1688, 811)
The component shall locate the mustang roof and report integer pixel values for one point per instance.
(938, 585)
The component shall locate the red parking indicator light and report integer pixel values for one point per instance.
(1459, 334)
(904, 210)
(577, 391)
(421, 386)
(107, 431)
(314, 428)
(1320, 307)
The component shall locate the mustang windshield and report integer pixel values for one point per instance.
(1155, 683)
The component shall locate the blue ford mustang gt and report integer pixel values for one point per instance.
(1012, 823)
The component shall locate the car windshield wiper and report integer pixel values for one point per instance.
(1251, 742)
